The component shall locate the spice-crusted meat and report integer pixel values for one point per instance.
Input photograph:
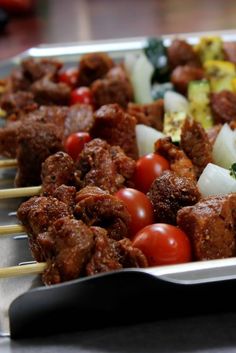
(104, 166)
(223, 106)
(181, 53)
(169, 193)
(15, 103)
(57, 169)
(115, 87)
(117, 128)
(99, 208)
(210, 225)
(36, 215)
(179, 162)
(66, 194)
(35, 143)
(68, 245)
(93, 66)
(196, 145)
(148, 114)
(112, 255)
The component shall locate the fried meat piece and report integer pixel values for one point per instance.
(66, 194)
(115, 87)
(210, 225)
(79, 118)
(179, 162)
(96, 207)
(196, 145)
(104, 166)
(37, 214)
(148, 114)
(182, 75)
(111, 255)
(35, 143)
(169, 193)
(15, 103)
(116, 127)
(223, 106)
(8, 139)
(68, 246)
(48, 92)
(56, 170)
(93, 66)
(181, 53)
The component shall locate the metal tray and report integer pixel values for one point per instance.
(28, 308)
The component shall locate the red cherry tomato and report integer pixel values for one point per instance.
(69, 76)
(163, 244)
(139, 207)
(81, 95)
(75, 143)
(148, 168)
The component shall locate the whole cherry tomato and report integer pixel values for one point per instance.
(81, 95)
(139, 207)
(75, 142)
(148, 168)
(163, 244)
(69, 76)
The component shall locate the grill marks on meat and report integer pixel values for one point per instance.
(169, 193)
(104, 166)
(196, 145)
(210, 225)
(179, 162)
(116, 127)
(43, 138)
(96, 207)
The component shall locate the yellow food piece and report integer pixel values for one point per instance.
(220, 74)
(173, 122)
(210, 48)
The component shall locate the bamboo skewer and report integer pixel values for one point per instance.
(8, 163)
(11, 229)
(20, 192)
(16, 271)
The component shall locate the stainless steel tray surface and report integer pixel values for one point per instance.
(21, 295)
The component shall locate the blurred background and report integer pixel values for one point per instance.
(26, 23)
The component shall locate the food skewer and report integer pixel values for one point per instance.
(8, 163)
(11, 229)
(20, 192)
(15, 271)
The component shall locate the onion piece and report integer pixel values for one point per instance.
(141, 80)
(216, 180)
(146, 137)
(175, 102)
(224, 148)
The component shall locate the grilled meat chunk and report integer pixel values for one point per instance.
(169, 193)
(104, 166)
(210, 225)
(96, 207)
(116, 127)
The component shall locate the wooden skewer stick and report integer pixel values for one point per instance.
(8, 163)
(20, 192)
(11, 229)
(16, 271)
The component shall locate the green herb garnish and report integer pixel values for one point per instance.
(232, 170)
